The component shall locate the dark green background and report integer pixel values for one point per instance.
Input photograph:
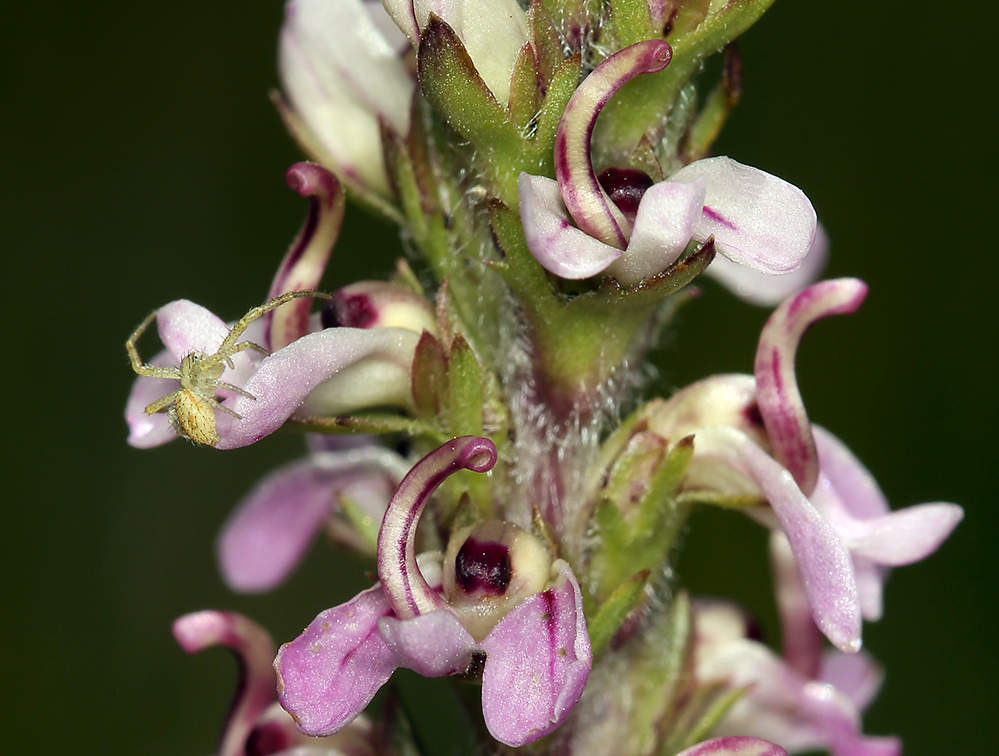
(141, 162)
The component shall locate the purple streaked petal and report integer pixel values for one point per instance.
(406, 588)
(800, 638)
(778, 397)
(434, 644)
(823, 561)
(539, 659)
(757, 220)
(254, 648)
(361, 368)
(587, 202)
(332, 670)
(734, 746)
(857, 676)
(560, 247)
(186, 327)
(663, 226)
(146, 431)
(305, 261)
(765, 289)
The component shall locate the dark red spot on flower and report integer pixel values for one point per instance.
(483, 566)
(267, 739)
(348, 311)
(753, 415)
(626, 187)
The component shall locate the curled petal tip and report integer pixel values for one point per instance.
(197, 631)
(309, 179)
(479, 455)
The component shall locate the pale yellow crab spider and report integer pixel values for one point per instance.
(191, 408)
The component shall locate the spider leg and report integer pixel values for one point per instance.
(162, 403)
(228, 346)
(219, 406)
(234, 389)
(141, 368)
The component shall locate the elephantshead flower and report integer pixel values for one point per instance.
(839, 486)
(530, 645)
(779, 703)
(752, 437)
(756, 219)
(328, 372)
(256, 724)
(341, 75)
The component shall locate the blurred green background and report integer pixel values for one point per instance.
(141, 162)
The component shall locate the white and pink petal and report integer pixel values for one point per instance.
(756, 219)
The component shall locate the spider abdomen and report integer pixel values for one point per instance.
(195, 418)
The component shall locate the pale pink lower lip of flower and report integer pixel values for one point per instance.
(286, 378)
(822, 558)
(270, 531)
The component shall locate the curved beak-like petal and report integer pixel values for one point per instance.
(585, 199)
(255, 649)
(351, 368)
(757, 220)
(304, 263)
(780, 402)
(539, 659)
(406, 588)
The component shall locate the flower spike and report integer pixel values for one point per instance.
(406, 589)
(778, 397)
(584, 198)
